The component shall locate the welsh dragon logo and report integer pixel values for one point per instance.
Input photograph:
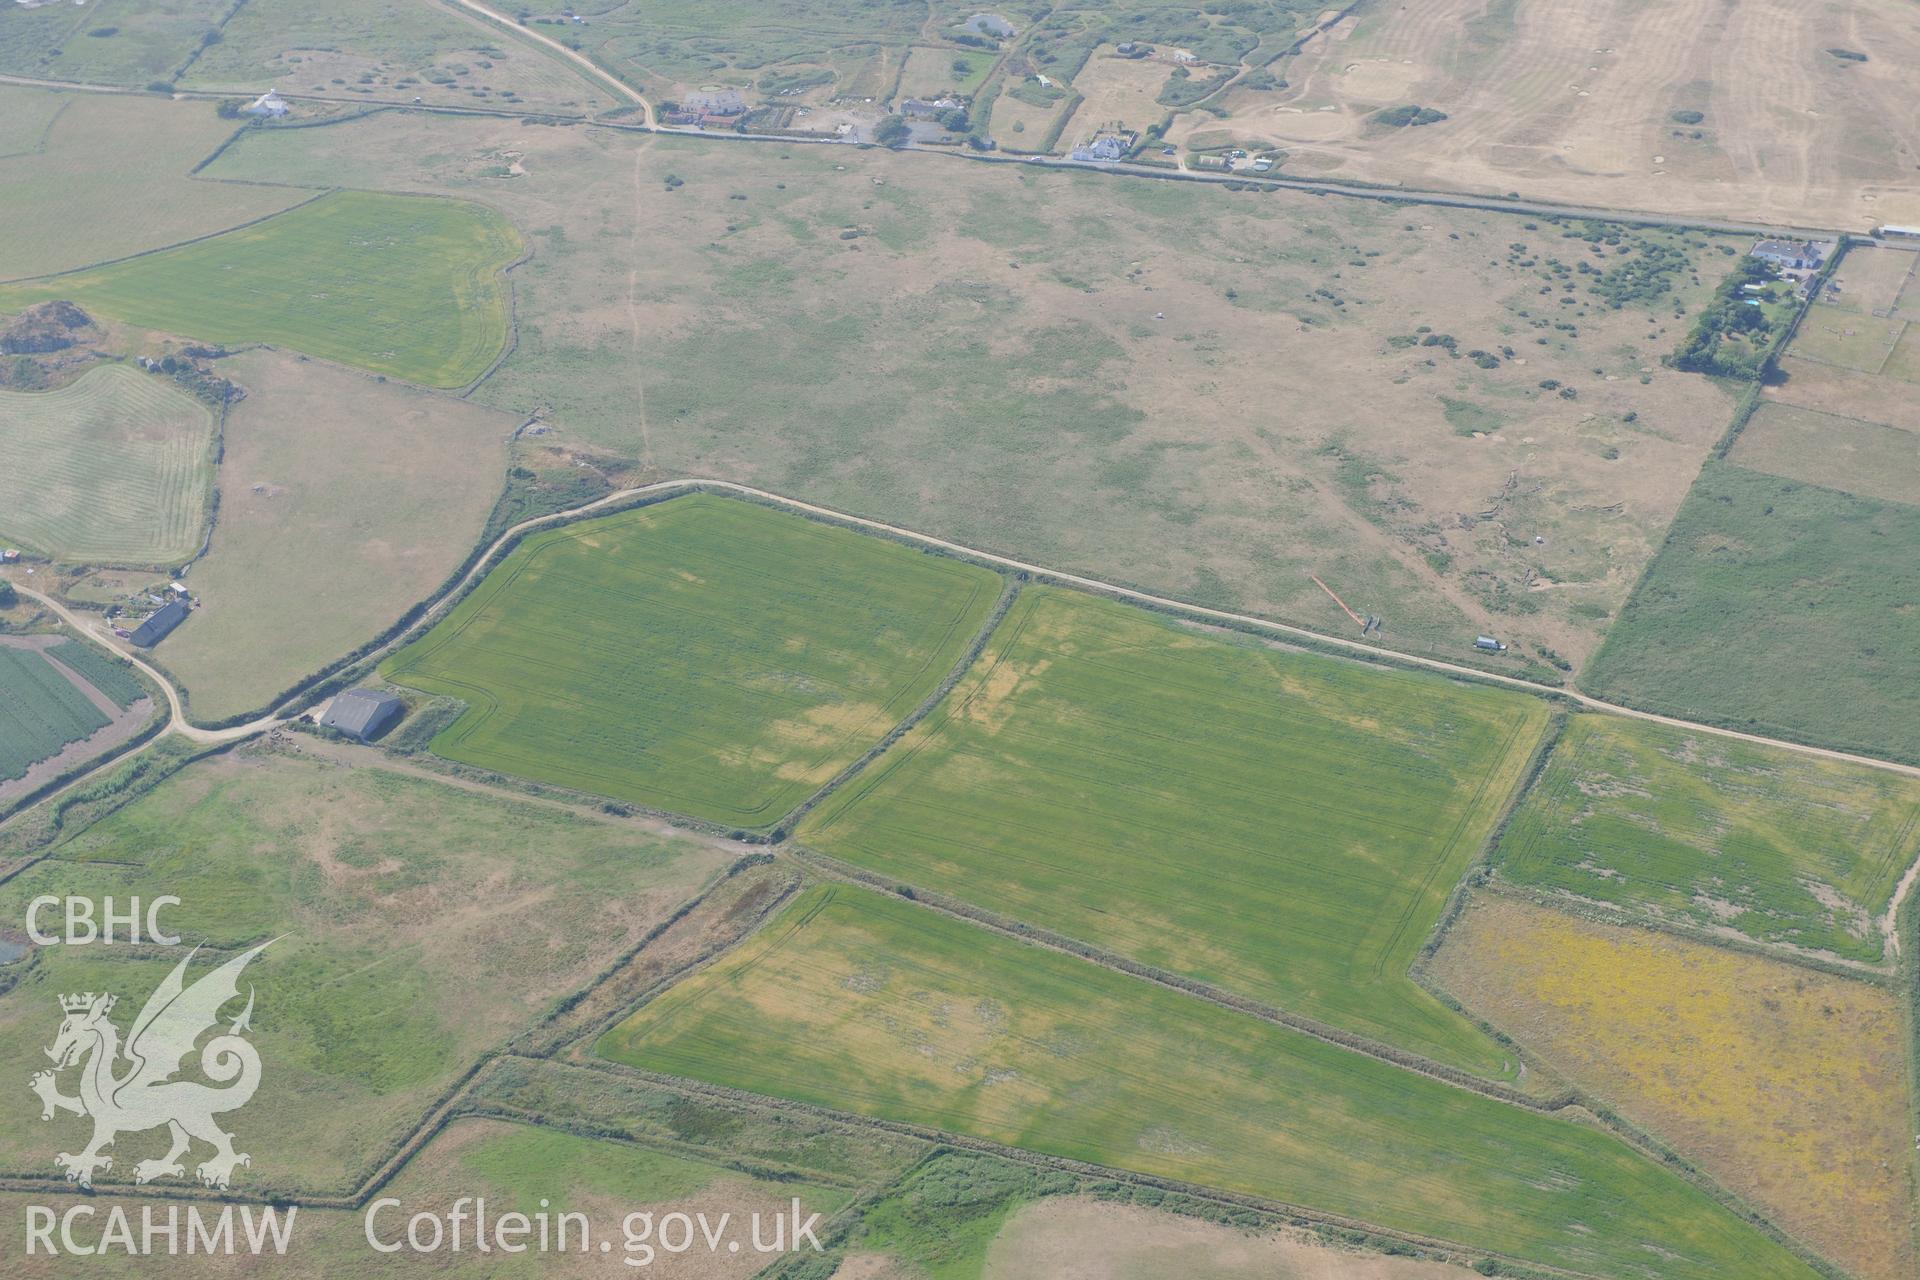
(144, 1094)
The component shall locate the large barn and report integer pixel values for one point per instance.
(158, 623)
(363, 713)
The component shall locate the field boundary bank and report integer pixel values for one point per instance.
(442, 1110)
(110, 794)
(218, 34)
(291, 704)
(512, 343)
(1907, 918)
(371, 108)
(569, 1047)
(1247, 623)
(321, 194)
(446, 1107)
(1755, 394)
(1885, 974)
(833, 868)
(1353, 190)
(506, 786)
(1572, 1105)
(479, 563)
(1479, 872)
(1538, 208)
(381, 1167)
(1660, 1152)
(1291, 1214)
(155, 725)
(1009, 592)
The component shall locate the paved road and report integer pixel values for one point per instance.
(177, 716)
(572, 55)
(186, 728)
(1451, 199)
(74, 85)
(1410, 195)
(1039, 571)
(1045, 573)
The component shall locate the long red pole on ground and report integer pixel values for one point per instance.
(1358, 621)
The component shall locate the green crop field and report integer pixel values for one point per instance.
(419, 925)
(1778, 846)
(704, 655)
(864, 1002)
(88, 177)
(1849, 454)
(1285, 825)
(1779, 607)
(108, 674)
(407, 286)
(114, 467)
(40, 711)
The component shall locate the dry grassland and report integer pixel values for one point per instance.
(390, 50)
(343, 500)
(1841, 453)
(1845, 413)
(1576, 102)
(1020, 126)
(931, 71)
(1839, 336)
(1117, 90)
(106, 177)
(1903, 362)
(1908, 302)
(1787, 1085)
(1084, 1239)
(1870, 280)
(1185, 387)
(1845, 393)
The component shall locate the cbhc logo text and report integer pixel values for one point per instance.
(84, 925)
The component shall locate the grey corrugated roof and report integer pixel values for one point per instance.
(158, 623)
(363, 712)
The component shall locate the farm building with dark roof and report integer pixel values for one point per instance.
(363, 713)
(159, 623)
